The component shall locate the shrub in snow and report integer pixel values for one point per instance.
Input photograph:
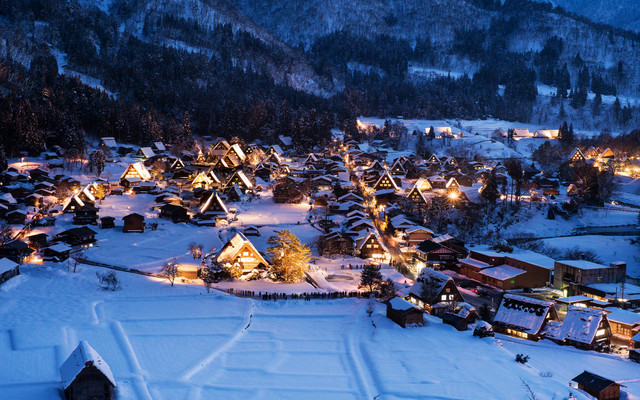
(108, 280)
(483, 331)
(521, 358)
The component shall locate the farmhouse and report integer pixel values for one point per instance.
(432, 288)
(241, 251)
(86, 376)
(77, 236)
(582, 327)
(135, 173)
(523, 317)
(15, 250)
(371, 246)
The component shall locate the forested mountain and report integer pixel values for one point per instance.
(163, 69)
(623, 14)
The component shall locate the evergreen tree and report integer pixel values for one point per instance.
(617, 110)
(432, 133)
(489, 190)
(289, 257)
(597, 103)
(370, 278)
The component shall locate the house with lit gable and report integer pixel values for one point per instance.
(523, 317)
(239, 250)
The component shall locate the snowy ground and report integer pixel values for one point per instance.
(179, 342)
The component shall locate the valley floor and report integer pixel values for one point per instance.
(179, 342)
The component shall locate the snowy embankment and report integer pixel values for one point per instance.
(179, 342)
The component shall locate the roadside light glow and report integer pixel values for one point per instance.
(453, 195)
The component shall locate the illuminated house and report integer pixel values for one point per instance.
(241, 251)
(134, 174)
(371, 246)
(523, 317)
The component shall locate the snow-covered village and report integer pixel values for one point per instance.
(430, 262)
(319, 199)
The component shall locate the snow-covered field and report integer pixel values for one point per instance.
(179, 342)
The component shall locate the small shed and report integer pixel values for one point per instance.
(107, 222)
(86, 376)
(458, 322)
(133, 223)
(8, 269)
(597, 386)
(402, 312)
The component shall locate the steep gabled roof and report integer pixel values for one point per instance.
(247, 183)
(6, 265)
(146, 152)
(523, 313)
(432, 275)
(374, 234)
(140, 169)
(580, 324)
(393, 182)
(593, 381)
(233, 246)
(214, 199)
(83, 356)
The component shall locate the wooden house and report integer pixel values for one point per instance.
(16, 217)
(133, 223)
(239, 178)
(251, 231)
(158, 147)
(174, 212)
(214, 207)
(576, 157)
(107, 222)
(234, 194)
(57, 252)
(417, 198)
(597, 386)
(624, 324)
(15, 250)
(371, 246)
(8, 269)
(87, 214)
(145, 153)
(37, 241)
(582, 327)
(386, 182)
(404, 313)
(109, 143)
(134, 174)
(86, 376)
(275, 149)
(236, 151)
(432, 288)
(417, 234)
(523, 317)
(435, 255)
(241, 251)
(77, 236)
(34, 200)
(398, 169)
(202, 181)
(458, 322)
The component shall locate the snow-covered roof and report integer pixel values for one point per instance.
(522, 312)
(373, 233)
(277, 149)
(238, 150)
(400, 304)
(583, 264)
(247, 183)
(146, 152)
(214, 198)
(83, 356)
(574, 299)
(474, 263)
(160, 146)
(6, 265)
(428, 273)
(502, 272)
(75, 198)
(286, 140)
(580, 324)
(623, 316)
(234, 245)
(140, 169)
(109, 142)
(60, 248)
(7, 198)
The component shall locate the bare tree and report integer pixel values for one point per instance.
(6, 233)
(195, 250)
(170, 271)
(108, 280)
